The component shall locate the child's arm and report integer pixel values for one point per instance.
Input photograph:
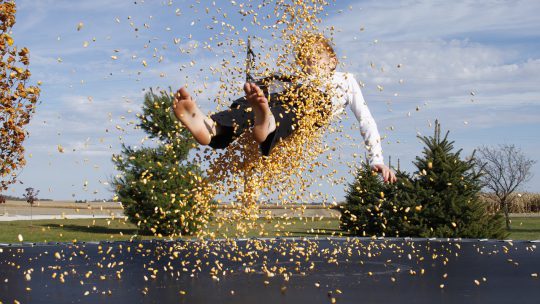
(368, 126)
(368, 129)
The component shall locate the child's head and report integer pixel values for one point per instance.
(315, 54)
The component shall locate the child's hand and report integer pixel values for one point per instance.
(388, 175)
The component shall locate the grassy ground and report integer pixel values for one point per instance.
(524, 228)
(103, 229)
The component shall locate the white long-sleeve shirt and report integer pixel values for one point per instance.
(347, 93)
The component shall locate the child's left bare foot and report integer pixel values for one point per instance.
(264, 120)
(187, 111)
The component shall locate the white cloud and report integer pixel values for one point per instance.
(412, 20)
(439, 64)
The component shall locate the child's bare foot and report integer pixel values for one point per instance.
(265, 122)
(190, 115)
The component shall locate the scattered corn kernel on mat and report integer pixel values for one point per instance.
(303, 270)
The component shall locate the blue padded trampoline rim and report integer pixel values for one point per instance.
(219, 240)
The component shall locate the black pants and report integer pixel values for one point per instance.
(240, 117)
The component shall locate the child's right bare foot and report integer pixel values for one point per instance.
(186, 110)
(265, 122)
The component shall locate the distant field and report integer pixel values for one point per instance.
(58, 209)
(524, 228)
(117, 205)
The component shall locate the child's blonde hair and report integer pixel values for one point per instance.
(310, 44)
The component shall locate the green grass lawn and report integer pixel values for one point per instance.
(525, 228)
(103, 229)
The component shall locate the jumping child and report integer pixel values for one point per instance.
(273, 121)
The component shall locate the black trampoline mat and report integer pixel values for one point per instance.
(344, 270)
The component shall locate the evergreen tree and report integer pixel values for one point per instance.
(158, 185)
(447, 189)
(374, 208)
(440, 200)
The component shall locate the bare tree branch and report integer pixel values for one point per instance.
(504, 169)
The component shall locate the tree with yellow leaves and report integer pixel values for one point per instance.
(17, 98)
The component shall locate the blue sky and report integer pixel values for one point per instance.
(445, 50)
